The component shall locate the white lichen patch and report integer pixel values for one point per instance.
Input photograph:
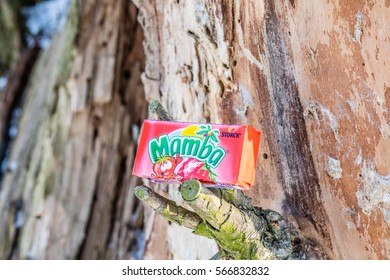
(374, 192)
(358, 30)
(350, 218)
(354, 106)
(333, 168)
(379, 100)
(244, 50)
(311, 112)
(385, 131)
(322, 114)
(333, 123)
(359, 158)
(247, 102)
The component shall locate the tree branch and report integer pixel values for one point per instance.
(159, 112)
(242, 230)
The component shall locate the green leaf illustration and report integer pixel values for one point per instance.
(162, 158)
(213, 176)
(214, 138)
(201, 132)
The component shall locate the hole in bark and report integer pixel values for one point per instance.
(275, 224)
(246, 111)
(190, 32)
(239, 20)
(363, 64)
(95, 136)
(297, 241)
(265, 156)
(208, 32)
(222, 86)
(234, 63)
(126, 74)
(89, 90)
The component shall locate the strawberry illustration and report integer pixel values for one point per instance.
(194, 168)
(164, 167)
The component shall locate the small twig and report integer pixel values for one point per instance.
(168, 209)
(159, 112)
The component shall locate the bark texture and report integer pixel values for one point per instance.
(312, 75)
(10, 35)
(69, 195)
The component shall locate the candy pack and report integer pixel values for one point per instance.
(217, 155)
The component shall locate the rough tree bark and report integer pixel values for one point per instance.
(69, 194)
(312, 75)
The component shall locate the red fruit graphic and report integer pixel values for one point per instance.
(194, 168)
(164, 167)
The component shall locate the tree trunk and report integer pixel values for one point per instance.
(310, 75)
(69, 194)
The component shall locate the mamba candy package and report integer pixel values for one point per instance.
(216, 155)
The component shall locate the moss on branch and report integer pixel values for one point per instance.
(241, 233)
